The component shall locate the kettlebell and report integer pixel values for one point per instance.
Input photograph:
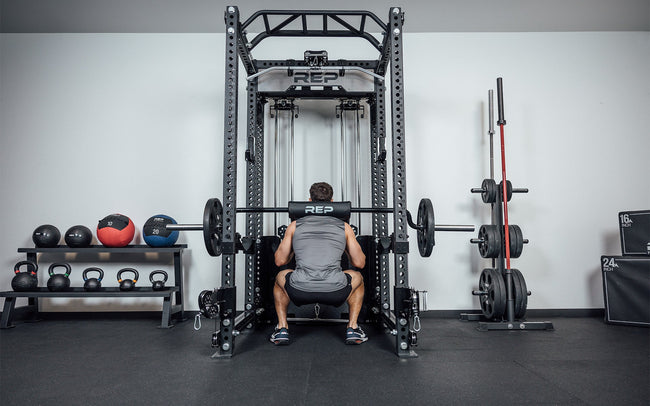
(93, 284)
(159, 284)
(25, 281)
(127, 284)
(59, 281)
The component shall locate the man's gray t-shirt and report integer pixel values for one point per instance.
(319, 243)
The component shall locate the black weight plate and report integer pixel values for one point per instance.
(489, 194)
(426, 227)
(493, 302)
(520, 293)
(484, 284)
(508, 189)
(516, 241)
(494, 245)
(490, 245)
(213, 226)
(499, 296)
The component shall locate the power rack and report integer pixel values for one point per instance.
(314, 77)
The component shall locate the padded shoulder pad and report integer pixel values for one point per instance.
(339, 210)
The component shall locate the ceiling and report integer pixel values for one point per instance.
(53, 16)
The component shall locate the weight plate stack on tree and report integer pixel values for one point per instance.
(492, 297)
(520, 293)
(516, 241)
(489, 191)
(508, 190)
(489, 241)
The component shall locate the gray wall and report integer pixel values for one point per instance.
(92, 124)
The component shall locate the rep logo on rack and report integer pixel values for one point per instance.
(314, 77)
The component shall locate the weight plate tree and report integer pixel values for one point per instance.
(315, 77)
(503, 294)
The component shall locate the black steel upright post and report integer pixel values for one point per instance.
(400, 237)
(225, 338)
(379, 191)
(254, 191)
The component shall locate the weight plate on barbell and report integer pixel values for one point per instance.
(490, 241)
(213, 226)
(426, 227)
(493, 300)
(489, 194)
(520, 293)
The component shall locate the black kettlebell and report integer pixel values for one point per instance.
(25, 281)
(93, 284)
(59, 281)
(159, 284)
(127, 284)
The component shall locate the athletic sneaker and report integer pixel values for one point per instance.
(280, 336)
(355, 336)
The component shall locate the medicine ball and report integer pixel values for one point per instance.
(155, 233)
(46, 236)
(78, 237)
(115, 230)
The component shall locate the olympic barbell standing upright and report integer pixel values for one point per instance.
(502, 123)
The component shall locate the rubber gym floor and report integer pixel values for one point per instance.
(123, 358)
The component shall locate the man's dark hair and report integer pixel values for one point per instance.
(321, 192)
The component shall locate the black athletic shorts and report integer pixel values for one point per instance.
(301, 297)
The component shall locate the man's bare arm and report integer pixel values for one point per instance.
(355, 253)
(284, 253)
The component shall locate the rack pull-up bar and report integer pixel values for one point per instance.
(344, 26)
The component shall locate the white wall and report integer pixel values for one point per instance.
(92, 124)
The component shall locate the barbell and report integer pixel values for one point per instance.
(212, 225)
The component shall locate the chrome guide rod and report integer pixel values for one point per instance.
(358, 169)
(342, 153)
(276, 171)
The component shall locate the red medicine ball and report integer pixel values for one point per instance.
(115, 230)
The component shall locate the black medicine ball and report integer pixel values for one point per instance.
(78, 237)
(46, 236)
